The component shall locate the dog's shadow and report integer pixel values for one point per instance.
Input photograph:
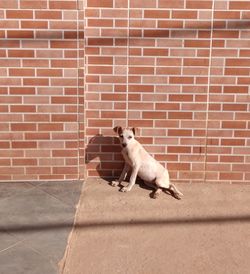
(103, 157)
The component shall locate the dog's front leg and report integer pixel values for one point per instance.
(122, 176)
(132, 179)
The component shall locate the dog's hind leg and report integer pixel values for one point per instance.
(157, 193)
(156, 190)
(176, 193)
(166, 186)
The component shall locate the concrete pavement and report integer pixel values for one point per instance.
(208, 231)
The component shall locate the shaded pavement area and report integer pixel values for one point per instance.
(208, 231)
(35, 221)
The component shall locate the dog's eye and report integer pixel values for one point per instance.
(130, 137)
(121, 136)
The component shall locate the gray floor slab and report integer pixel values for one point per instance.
(10, 189)
(23, 260)
(7, 240)
(35, 221)
(33, 211)
(67, 191)
(50, 243)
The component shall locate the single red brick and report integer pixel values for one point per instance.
(178, 149)
(171, 4)
(26, 4)
(100, 23)
(24, 144)
(63, 63)
(234, 124)
(36, 82)
(19, 14)
(181, 80)
(235, 89)
(242, 133)
(141, 4)
(141, 70)
(156, 33)
(231, 176)
(22, 108)
(9, 24)
(48, 14)
(184, 14)
(170, 24)
(36, 117)
(64, 117)
(21, 72)
(233, 142)
(65, 5)
(5, 4)
(64, 44)
(100, 70)
(153, 115)
(100, 3)
(179, 132)
(67, 25)
(244, 53)
(235, 107)
(197, 43)
(156, 13)
(239, 5)
(178, 166)
(24, 162)
(23, 127)
(20, 34)
(99, 123)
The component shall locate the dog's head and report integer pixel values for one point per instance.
(126, 135)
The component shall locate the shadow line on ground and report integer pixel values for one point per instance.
(220, 220)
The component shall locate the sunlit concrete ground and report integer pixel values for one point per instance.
(208, 231)
(35, 221)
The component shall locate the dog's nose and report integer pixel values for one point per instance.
(124, 145)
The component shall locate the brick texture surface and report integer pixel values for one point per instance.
(179, 70)
(176, 70)
(41, 90)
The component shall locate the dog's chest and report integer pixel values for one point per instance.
(126, 157)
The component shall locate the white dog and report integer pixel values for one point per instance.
(142, 164)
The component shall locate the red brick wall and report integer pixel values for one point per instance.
(177, 70)
(188, 85)
(41, 90)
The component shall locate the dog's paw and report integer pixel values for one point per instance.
(125, 189)
(155, 195)
(177, 196)
(114, 183)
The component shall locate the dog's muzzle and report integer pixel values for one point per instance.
(124, 145)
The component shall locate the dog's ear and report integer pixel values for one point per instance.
(135, 130)
(118, 130)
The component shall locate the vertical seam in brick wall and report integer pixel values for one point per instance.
(78, 89)
(85, 89)
(128, 55)
(208, 86)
